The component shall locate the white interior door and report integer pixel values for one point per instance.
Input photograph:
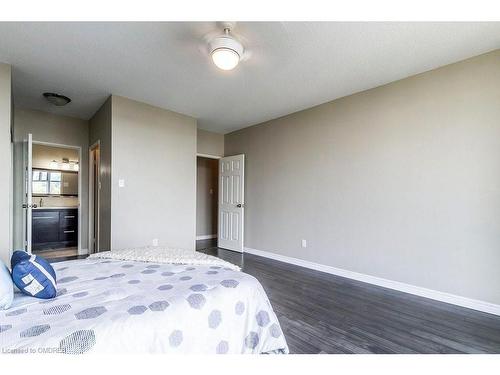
(28, 193)
(231, 202)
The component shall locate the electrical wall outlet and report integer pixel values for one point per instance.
(121, 183)
(304, 243)
(155, 242)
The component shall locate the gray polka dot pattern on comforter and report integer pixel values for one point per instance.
(117, 306)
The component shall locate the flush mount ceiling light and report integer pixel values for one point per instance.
(225, 50)
(56, 99)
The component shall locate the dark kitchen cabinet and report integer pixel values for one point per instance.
(54, 228)
(45, 227)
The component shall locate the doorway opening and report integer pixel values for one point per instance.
(94, 196)
(207, 193)
(55, 189)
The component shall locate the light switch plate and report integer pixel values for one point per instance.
(121, 183)
(304, 243)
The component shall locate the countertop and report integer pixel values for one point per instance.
(56, 208)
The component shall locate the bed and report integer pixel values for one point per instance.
(136, 303)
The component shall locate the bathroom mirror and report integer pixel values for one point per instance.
(47, 182)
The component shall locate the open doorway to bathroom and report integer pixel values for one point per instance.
(207, 177)
(55, 189)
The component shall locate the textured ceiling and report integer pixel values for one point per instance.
(292, 65)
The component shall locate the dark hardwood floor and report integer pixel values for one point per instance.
(323, 313)
(63, 258)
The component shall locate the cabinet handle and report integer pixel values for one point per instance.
(42, 217)
(69, 231)
(69, 217)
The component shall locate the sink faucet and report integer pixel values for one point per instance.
(41, 202)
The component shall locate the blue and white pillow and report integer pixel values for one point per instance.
(33, 275)
(6, 287)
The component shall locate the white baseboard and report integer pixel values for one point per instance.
(206, 237)
(396, 285)
(83, 251)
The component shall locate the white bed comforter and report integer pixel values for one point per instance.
(120, 306)
(165, 255)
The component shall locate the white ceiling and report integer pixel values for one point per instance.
(293, 65)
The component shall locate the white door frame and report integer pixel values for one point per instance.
(95, 145)
(59, 145)
(27, 201)
(208, 156)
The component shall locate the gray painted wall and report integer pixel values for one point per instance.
(206, 196)
(154, 151)
(100, 130)
(400, 182)
(47, 127)
(5, 162)
(210, 143)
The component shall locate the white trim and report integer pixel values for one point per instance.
(11, 200)
(91, 197)
(208, 156)
(27, 192)
(83, 251)
(206, 237)
(474, 304)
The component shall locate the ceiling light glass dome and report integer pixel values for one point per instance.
(226, 51)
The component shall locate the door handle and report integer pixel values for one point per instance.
(239, 205)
